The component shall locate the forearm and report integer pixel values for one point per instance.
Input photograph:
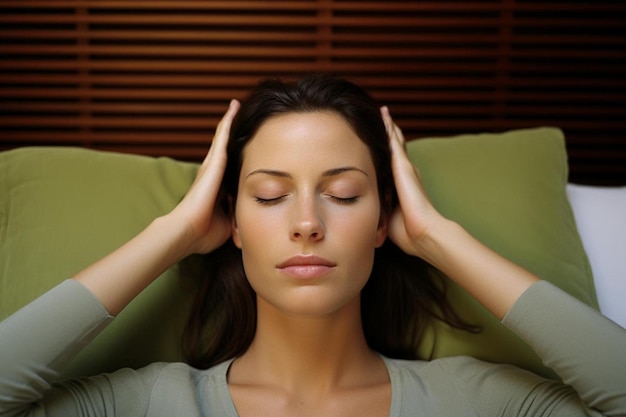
(582, 346)
(119, 277)
(38, 341)
(493, 280)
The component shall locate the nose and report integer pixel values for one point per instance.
(307, 224)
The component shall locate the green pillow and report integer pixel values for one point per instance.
(61, 209)
(507, 190)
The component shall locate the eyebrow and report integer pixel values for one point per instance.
(329, 173)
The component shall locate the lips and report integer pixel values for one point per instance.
(306, 260)
(306, 266)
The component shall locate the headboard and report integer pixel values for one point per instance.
(154, 77)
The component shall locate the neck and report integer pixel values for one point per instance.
(308, 354)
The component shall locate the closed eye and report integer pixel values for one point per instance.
(269, 201)
(344, 200)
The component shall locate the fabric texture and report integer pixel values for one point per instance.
(582, 345)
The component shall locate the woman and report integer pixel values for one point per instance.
(308, 207)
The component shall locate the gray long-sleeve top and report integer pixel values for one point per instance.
(587, 350)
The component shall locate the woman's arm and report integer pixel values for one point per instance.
(36, 344)
(196, 225)
(493, 280)
(582, 346)
(38, 341)
(420, 230)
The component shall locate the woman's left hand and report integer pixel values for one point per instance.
(415, 217)
(420, 230)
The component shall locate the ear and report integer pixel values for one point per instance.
(234, 230)
(381, 232)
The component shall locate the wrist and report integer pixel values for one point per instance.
(174, 233)
(118, 277)
(492, 279)
(434, 244)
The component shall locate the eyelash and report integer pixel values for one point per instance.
(271, 201)
(346, 200)
(268, 201)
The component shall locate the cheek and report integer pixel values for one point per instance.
(363, 223)
(251, 227)
(251, 237)
(357, 237)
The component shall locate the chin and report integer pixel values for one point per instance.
(312, 302)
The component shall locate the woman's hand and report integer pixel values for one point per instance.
(196, 225)
(419, 230)
(415, 217)
(206, 224)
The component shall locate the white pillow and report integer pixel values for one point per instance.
(600, 214)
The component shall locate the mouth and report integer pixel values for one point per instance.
(306, 266)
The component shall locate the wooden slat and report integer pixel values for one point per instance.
(244, 67)
(248, 52)
(169, 20)
(154, 77)
(199, 80)
(169, 35)
(165, 5)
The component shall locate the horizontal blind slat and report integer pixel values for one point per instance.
(165, 5)
(154, 77)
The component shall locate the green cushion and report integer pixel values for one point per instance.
(63, 208)
(508, 190)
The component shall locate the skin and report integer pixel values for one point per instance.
(309, 355)
(319, 196)
(308, 186)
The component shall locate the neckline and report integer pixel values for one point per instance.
(222, 375)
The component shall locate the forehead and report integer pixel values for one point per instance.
(297, 140)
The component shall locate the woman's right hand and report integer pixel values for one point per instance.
(206, 225)
(196, 225)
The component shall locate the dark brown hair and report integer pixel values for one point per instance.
(399, 299)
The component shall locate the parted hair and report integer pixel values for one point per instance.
(400, 298)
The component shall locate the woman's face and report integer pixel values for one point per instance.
(307, 214)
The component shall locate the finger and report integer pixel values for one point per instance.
(398, 134)
(396, 137)
(223, 128)
(406, 176)
(214, 164)
(384, 111)
(222, 132)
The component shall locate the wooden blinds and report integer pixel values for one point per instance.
(154, 77)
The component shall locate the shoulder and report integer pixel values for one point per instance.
(463, 382)
(168, 388)
(460, 371)
(175, 374)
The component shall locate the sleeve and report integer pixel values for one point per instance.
(584, 348)
(38, 341)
